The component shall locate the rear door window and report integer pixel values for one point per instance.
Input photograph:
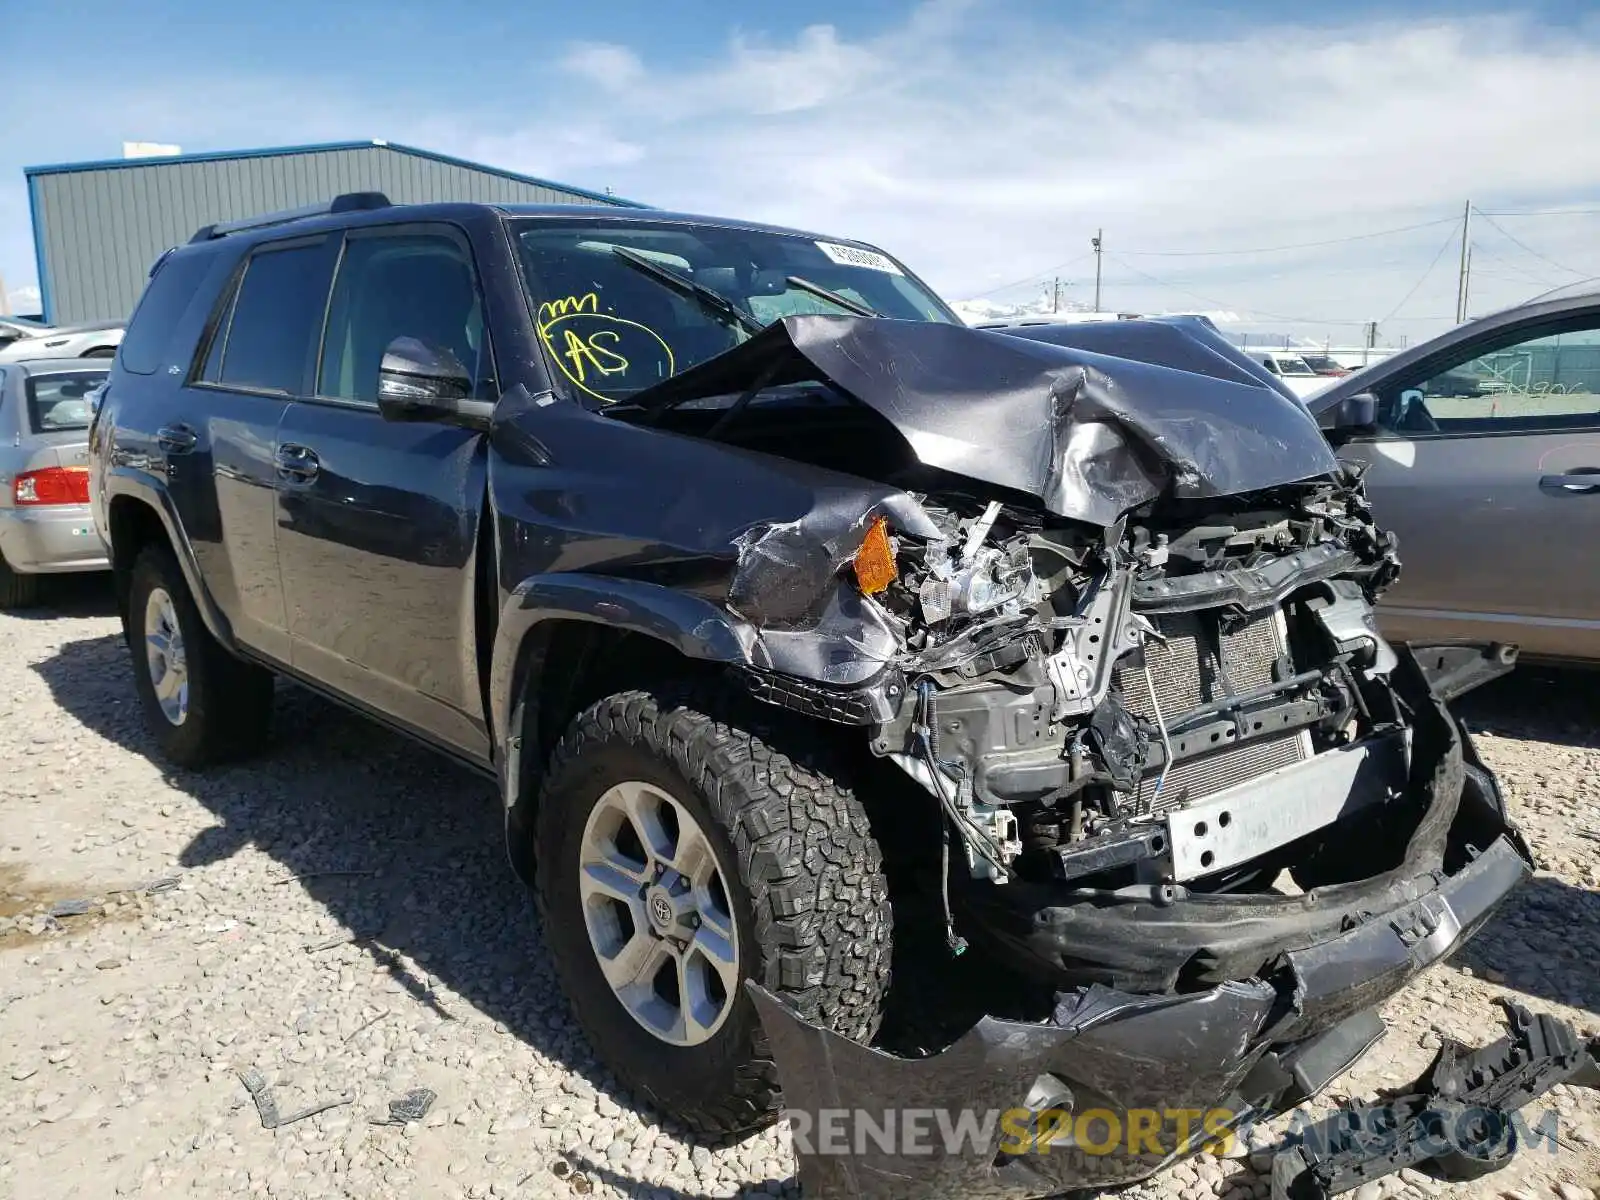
(161, 307)
(60, 402)
(270, 338)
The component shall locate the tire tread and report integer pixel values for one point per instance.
(821, 912)
(230, 700)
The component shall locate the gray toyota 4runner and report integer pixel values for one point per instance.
(793, 619)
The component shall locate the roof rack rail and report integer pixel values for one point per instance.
(348, 202)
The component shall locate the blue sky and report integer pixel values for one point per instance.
(984, 142)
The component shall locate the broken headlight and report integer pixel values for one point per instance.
(964, 576)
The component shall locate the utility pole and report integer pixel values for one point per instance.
(1095, 242)
(1055, 295)
(1465, 275)
(5, 304)
(1372, 340)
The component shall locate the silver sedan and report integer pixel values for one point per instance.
(45, 525)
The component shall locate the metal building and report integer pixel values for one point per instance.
(97, 226)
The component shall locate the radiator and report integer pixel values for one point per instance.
(1186, 675)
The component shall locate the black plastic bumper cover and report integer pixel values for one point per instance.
(1239, 1049)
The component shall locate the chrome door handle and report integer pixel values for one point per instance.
(176, 439)
(1583, 482)
(297, 463)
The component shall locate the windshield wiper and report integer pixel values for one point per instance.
(709, 299)
(854, 307)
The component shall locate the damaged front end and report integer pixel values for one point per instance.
(1116, 622)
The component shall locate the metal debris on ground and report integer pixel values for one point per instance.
(344, 939)
(319, 875)
(72, 908)
(267, 1106)
(367, 1024)
(413, 1106)
(164, 883)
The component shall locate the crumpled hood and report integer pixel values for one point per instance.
(1089, 434)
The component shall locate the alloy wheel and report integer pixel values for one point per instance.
(656, 908)
(164, 656)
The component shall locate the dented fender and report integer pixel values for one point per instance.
(695, 627)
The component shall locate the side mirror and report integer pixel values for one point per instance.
(1351, 416)
(419, 383)
(1356, 412)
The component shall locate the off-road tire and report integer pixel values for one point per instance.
(803, 872)
(16, 589)
(230, 701)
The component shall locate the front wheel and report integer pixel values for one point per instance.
(687, 842)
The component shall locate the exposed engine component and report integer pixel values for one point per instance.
(1064, 691)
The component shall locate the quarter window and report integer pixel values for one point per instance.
(165, 298)
(416, 285)
(1549, 382)
(270, 337)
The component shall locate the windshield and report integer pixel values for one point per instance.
(57, 402)
(1292, 364)
(613, 326)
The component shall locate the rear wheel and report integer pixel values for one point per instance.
(17, 590)
(200, 702)
(101, 352)
(687, 842)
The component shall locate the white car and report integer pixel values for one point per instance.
(1293, 370)
(12, 328)
(96, 340)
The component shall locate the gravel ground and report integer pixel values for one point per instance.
(338, 916)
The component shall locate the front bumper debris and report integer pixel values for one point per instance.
(1116, 1085)
(1459, 1116)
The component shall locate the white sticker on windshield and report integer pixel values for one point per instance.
(855, 256)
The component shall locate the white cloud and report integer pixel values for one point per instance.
(612, 67)
(981, 160)
(23, 299)
(983, 145)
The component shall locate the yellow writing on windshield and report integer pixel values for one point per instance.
(590, 346)
(552, 310)
(597, 354)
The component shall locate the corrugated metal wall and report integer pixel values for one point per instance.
(100, 228)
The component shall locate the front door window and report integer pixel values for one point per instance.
(1529, 384)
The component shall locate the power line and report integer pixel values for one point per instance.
(1519, 272)
(1339, 241)
(1418, 284)
(1541, 212)
(1034, 278)
(1212, 300)
(1524, 245)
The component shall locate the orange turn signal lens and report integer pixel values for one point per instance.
(874, 561)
